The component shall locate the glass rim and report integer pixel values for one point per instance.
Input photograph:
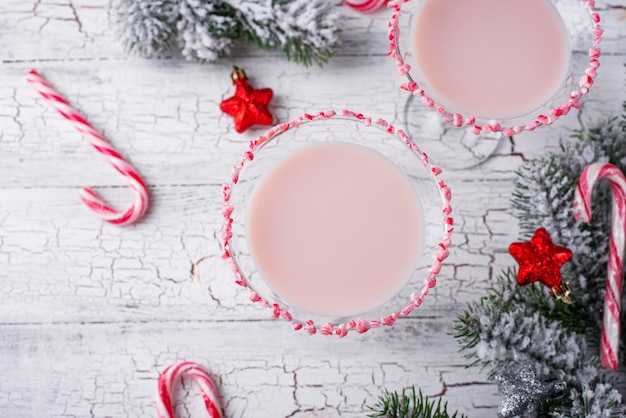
(459, 119)
(358, 324)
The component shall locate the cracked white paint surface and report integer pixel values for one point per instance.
(90, 313)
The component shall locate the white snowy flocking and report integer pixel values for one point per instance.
(146, 27)
(304, 30)
(516, 323)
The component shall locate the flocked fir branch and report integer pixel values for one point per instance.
(306, 31)
(544, 197)
(514, 323)
(409, 404)
(146, 27)
(602, 401)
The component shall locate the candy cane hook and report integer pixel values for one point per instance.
(611, 325)
(170, 376)
(87, 195)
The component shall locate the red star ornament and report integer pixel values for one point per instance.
(540, 260)
(248, 106)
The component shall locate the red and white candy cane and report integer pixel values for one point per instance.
(366, 6)
(175, 372)
(87, 195)
(590, 175)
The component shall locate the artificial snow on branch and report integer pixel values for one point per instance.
(513, 323)
(305, 31)
(146, 27)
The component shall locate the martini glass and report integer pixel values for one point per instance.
(462, 109)
(349, 303)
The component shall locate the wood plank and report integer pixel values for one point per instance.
(87, 32)
(110, 370)
(176, 133)
(62, 264)
(90, 313)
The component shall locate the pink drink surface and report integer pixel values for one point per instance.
(491, 58)
(334, 229)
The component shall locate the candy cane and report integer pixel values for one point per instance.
(172, 374)
(590, 175)
(87, 195)
(366, 6)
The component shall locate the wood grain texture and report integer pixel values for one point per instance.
(90, 313)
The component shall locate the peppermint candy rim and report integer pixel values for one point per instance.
(483, 125)
(359, 325)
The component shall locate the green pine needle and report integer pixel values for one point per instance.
(296, 49)
(512, 321)
(409, 404)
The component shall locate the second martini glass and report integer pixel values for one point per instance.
(484, 69)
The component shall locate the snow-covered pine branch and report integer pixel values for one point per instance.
(306, 31)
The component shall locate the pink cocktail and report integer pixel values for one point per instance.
(336, 222)
(491, 68)
(457, 43)
(328, 222)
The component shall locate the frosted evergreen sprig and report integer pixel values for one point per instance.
(287, 24)
(409, 404)
(544, 197)
(205, 30)
(516, 323)
(601, 401)
(306, 31)
(146, 27)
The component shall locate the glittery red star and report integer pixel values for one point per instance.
(540, 260)
(248, 106)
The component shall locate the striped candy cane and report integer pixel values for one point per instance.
(87, 195)
(366, 6)
(590, 175)
(172, 374)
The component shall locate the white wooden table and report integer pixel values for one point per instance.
(91, 313)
